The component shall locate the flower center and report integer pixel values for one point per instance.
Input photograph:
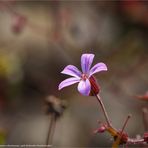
(84, 76)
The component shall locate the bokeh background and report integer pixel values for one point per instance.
(39, 38)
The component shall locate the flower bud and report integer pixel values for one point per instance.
(55, 105)
(102, 129)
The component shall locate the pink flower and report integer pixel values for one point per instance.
(84, 77)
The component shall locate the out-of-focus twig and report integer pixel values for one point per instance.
(145, 118)
(54, 108)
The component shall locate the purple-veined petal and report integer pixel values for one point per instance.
(68, 82)
(84, 87)
(72, 71)
(97, 68)
(86, 61)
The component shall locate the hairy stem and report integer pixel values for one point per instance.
(104, 110)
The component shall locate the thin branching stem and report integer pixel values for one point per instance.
(117, 142)
(125, 123)
(104, 110)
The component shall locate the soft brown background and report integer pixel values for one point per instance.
(56, 34)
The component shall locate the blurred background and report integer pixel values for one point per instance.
(39, 38)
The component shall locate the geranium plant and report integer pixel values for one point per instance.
(87, 85)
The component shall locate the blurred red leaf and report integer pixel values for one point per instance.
(143, 97)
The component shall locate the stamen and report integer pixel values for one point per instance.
(84, 76)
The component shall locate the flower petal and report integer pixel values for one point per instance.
(97, 68)
(72, 71)
(86, 61)
(68, 82)
(84, 87)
